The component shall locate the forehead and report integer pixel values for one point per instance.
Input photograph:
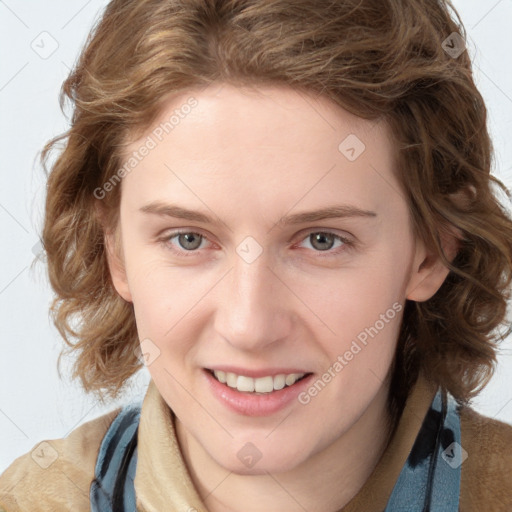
(274, 142)
(257, 115)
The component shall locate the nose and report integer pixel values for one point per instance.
(254, 306)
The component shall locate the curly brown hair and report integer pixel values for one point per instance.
(378, 59)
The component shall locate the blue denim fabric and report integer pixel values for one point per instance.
(430, 478)
(112, 489)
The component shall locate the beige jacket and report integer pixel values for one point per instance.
(162, 481)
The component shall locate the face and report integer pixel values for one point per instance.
(265, 234)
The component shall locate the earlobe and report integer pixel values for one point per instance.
(429, 271)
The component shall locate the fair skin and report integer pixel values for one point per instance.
(247, 159)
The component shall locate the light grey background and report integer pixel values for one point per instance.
(39, 42)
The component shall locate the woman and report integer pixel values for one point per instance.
(284, 210)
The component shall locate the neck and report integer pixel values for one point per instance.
(327, 481)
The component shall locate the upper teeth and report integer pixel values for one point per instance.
(260, 385)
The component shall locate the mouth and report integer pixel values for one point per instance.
(265, 385)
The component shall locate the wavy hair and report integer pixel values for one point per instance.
(378, 59)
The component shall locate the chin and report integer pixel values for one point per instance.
(262, 466)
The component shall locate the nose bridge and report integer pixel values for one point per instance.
(251, 311)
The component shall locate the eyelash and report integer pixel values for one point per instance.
(166, 242)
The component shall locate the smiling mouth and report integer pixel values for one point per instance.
(258, 386)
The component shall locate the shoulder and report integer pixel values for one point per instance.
(486, 474)
(56, 474)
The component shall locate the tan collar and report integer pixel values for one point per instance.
(375, 493)
(162, 481)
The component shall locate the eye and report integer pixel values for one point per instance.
(323, 241)
(186, 241)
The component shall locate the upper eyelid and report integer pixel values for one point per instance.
(347, 240)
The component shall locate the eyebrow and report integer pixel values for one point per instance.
(330, 212)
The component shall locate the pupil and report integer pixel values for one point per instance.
(187, 241)
(322, 238)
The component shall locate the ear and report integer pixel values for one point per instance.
(429, 271)
(115, 258)
(116, 264)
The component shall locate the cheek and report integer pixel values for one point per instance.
(168, 302)
(154, 296)
(360, 312)
(354, 298)
(161, 313)
(366, 321)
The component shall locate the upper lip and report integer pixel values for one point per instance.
(272, 372)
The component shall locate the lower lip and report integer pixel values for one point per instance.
(250, 404)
